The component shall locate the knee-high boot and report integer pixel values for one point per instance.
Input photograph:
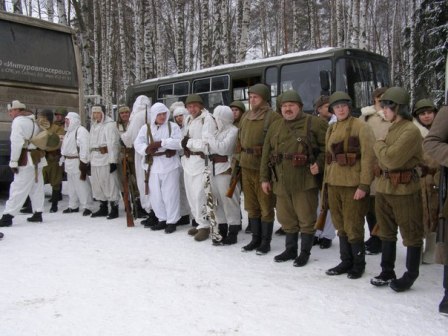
(255, 227)
(388, 255)
(412, 265)
(290, 252)
(443, 306)
(346, 256)
(266, 237)
(359, 261)
(305, 250)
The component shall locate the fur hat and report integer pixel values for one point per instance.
(16, 105)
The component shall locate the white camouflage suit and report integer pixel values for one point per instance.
(75, 148)
(223, 142)
(136, 121)
(23, 128)
(105, 185)
(194, 165)
(164, 172)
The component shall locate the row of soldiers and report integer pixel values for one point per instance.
(282, 159)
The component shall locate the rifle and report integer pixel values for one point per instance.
(441, 227)
(236, 176)
(127, 205)
(322, 218)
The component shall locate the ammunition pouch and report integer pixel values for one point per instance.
(36, 155)
(398, 176)
(23, 158)
(338, 147)
(353, 145)
(275, 159)
(103, 150)
(346, 159)
(84, 168)
(215, 158)
(297, 159)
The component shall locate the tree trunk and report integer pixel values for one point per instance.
(138, 38)
(217, 35)
(205, 38)
(62, 16)
(339, 24)
(180, 35)
(412, 50)
(244, 37)
(355, 24)
(363, 25)
(124, 83)
(17, 7)
(50, 10)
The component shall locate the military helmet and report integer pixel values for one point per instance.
(238, 104)
(423, 105)
(262, 90)
(339, 97)
(396, 95)
(194, 98)
(291, 96)
(61, 110)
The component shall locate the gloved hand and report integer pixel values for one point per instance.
(184, 142)
(153, 147)
(15, 170)
(113, 167)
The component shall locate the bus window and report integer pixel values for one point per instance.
(304, 78)
(272, 80)
(213, 90)
(181, 89)
(220, 83)
(165, 91)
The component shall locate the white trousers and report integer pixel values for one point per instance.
(184, 206)
(228, 209)
(164, 195)
(105, 186)
(23, 185)
(79, 192)
(140, 178)
(194, 187)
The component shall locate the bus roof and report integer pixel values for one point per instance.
(304, 55)
(32, 21)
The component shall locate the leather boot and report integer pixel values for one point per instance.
(306, 244)
(184, 220)
(151, 220)
(6, 220)
(290, 252)
(141, 213)
(26, 208)
(222, 228)
(232, 235)
(159, 226)
(359, 261)
(345, 252)
(412, 265)
(54, 201)
(255, 227)
(102, 211)
(443, 306)
(388, 256)
(35, 218)
(113, 210)
(266, 237)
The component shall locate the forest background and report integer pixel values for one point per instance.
(125, 42)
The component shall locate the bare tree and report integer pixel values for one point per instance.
(206, 60)
(180, 35)
(123, 50)
(217, 35)
(339, 24)
(62, 15)
(355, 14)
(50, 10)
(243, 28)
(17, 6)
(138, 40)
(2, 5)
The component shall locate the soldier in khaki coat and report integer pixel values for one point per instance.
(436, 145)
(294, 149)
(398, 202)
(254, 125)
(348, 175)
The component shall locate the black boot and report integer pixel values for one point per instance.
(248, 229)
(359, 261)
(184, 220)
(280, 232)
(412, 264)
(141, 213)
(6, 220)
(159, 226)
(266, 237)
(26, 208)
(151, 220)
(70, 210)
(170, 228)
(232, 235)
(255, 227)
(54, 200)
(222, 228)
(194, 223)
(443, 306)
(113, 210)
(102, 212)
(387, 264)
(35, 218)
(373, 245)
(290, 252)
(345, 252)
(306, 244)
(1, 235)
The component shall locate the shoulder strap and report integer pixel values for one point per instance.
(76, 139)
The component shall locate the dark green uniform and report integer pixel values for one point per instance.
(290, 147)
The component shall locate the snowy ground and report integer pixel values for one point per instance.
(73, 275)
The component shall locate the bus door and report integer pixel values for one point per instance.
(214, 90)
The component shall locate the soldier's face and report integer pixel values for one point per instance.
(67, 122)
(179, 120)
(426, 117)
(324, 112)
(161, 118)
(290, 110)
(341, 111)
(255, 100)
(97, 116)
(124, 116)
(389, 113)
(236, 113)
(194, 109)
(59, 118)
(14, 113)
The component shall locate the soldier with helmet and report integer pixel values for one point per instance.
(424, 113)
(259, 206)
(398, 195)
(198, 123)
(53, 172)
(238, 109)
(348, 174)
(293, 156)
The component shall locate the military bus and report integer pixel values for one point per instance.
(40, 66)
(311, 73)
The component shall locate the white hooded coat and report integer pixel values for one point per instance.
(104, 133)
